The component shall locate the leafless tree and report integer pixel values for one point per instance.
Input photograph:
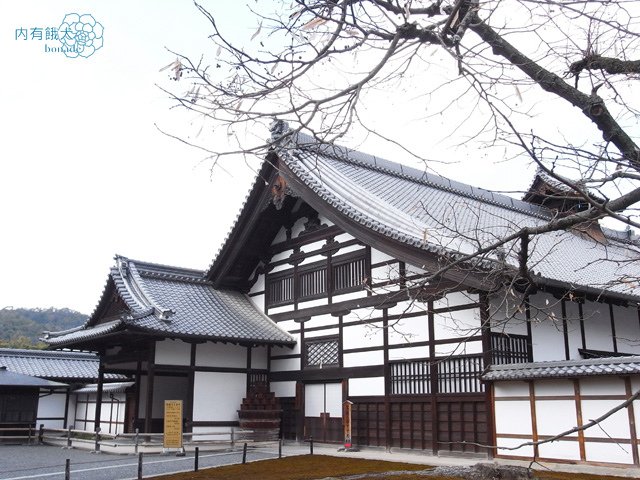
(517, 65)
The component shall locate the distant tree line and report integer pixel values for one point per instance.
(22, 327)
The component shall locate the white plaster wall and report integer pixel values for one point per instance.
(526, 452)
(555, 416)
(617, 425)
(289, 325)
(349, 249)
(573, 329)
(212, 354)
(321, 321)
(459, 348)
(511, 389)
(259, 285)
(355, 336)
(343, 237)
(313, 258)
(363, 359)
(458, 324)
(259, 357)
(546, 328)
(597, 325)
(562, 450)
(456, 298)
(310, 247)
(309, 304)
(366, 386)
(218, 396)
(298, 227)
(550, 388)
(408, 330)
(505, 314)
(282, 267)
(408, 353)
(404, 307)
(284, 389)
(602, 386)
(285, 364)
(314, 401)
(349, 296)
(173, 352)
(513, 416)
(627, 329)
(51, 406)
(608, 453)
(321, 333)
(377, 256)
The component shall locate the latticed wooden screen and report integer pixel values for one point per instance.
(348, 273)
(280, 290)
(453, 374)
(409, 378)
(322, 352)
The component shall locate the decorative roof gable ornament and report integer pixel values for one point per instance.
(278, 128)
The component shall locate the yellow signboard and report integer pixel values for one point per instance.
(172, 424)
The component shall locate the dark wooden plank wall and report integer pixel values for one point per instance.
(461, 423)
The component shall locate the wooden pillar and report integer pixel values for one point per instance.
(387, 380)
(190, 392)
(148, 414)
(565, 330)
(299, 411)
(66, 407)
(485, 326)
(633, 433)
(433, 378)
(99, 395)
(578, 400)
(534, 418)
(136, 415)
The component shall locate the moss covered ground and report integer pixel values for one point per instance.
(315, 467)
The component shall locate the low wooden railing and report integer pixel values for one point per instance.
(135, 442)
(21, 431)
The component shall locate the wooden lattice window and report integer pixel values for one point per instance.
(509, 348)
(322, 353)
(280, 289)
(460, 374)
(410, 377)
(312, 283)
(349, 274)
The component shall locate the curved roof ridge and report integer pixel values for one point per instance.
(345, 154)
(132, 281)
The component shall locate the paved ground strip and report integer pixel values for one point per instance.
(47, 463)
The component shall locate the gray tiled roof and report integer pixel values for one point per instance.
(445, 217)
(179, 302)
(564, 369)
(13, 379)
(114, 387)
(66, 366)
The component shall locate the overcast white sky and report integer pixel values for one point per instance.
(84, 173)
